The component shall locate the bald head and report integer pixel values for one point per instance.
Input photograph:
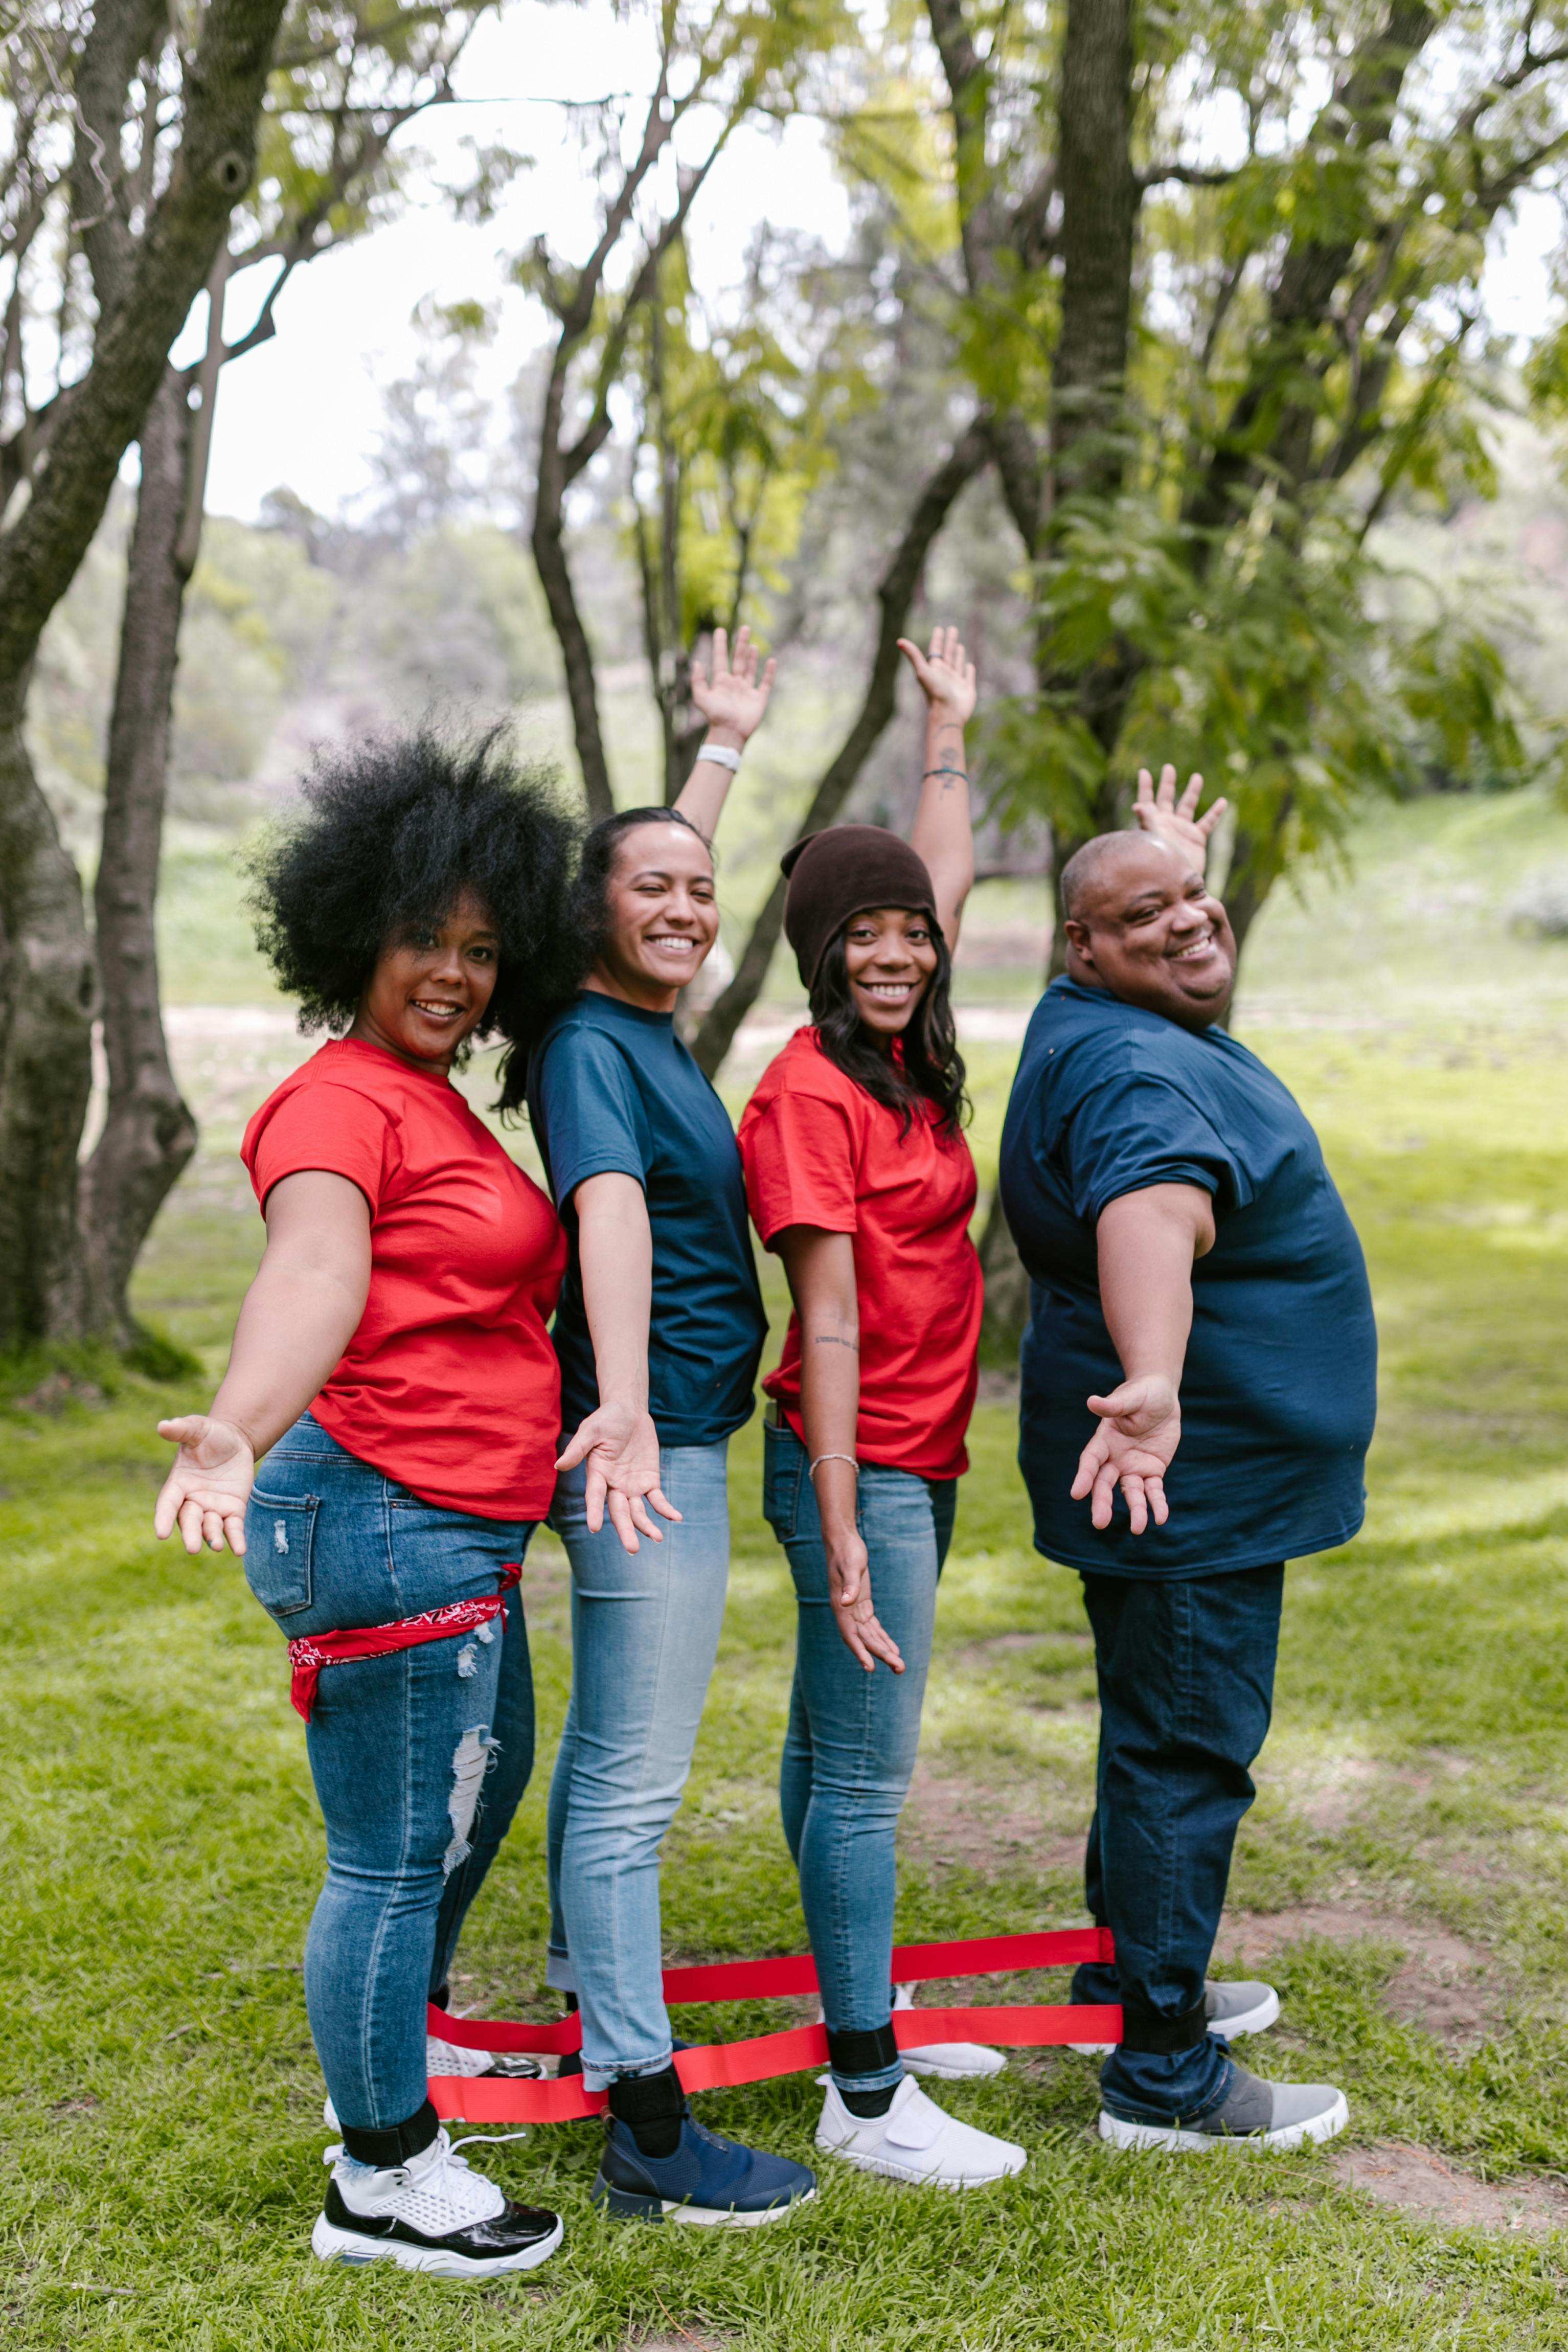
(1101, 863)
(1140, 923)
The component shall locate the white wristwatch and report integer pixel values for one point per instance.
(723, 755)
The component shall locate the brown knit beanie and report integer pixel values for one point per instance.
(840, 873)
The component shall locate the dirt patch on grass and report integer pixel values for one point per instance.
(949, 1820)
(1449, 1987)
(1413, 2180)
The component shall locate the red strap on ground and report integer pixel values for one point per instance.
(724, 2065)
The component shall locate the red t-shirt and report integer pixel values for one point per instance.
(819, 1152)
(450, 1385)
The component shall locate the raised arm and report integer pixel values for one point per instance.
(298, 1316)
(1177, 820)
(1148, 1242)
(822, 1270)
(732, 700)
(943, 832)
(618, 1441)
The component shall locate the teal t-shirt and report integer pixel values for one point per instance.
(1280, 1387)
(612, 1090)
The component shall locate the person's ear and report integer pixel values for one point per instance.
(1078, 939)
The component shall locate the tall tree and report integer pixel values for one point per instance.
(195, 146)
(346, 80)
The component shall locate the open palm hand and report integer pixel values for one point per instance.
(1140, 1429)
(206, 1491)
(732, 695)
(946, 675)
(1177, 820)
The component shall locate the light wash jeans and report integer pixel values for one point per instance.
(644, 1635)
(419, 1758)
(850, 1749)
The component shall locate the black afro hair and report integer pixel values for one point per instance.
(394, 830)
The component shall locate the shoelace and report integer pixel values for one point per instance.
(449, 2181)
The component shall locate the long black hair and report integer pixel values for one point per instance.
(928, 1067)
(590, 911)
(394, 831)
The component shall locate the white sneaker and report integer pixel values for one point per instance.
(431, 2214)
(1231, 2008)
(447, 2058)
(950, 2062)
(914, 2141)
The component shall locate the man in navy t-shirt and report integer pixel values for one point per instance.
(1198, 1391)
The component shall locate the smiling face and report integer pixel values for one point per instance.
(890, 960)
(663, 916)
(431, 989)
(1147, 929)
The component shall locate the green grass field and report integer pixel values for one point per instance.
(1403, 1877)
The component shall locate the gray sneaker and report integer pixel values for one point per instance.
(1232, 2010)
(1252, 2114)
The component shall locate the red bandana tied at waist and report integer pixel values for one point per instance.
(311, 1652)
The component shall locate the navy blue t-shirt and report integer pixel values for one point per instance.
(1278, 1393)
(612, 1090)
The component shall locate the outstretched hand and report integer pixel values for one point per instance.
(1174, 821)
(946, 675)
(621, 1449)
(206, 1491)
(1140, 1429)
(732, 695)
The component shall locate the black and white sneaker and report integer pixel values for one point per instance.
(430, 2214)
(1252, 2114)
(1231, 2011)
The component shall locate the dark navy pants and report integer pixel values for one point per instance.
(1186, 1668)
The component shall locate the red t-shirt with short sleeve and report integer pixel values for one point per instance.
(450, 1385)
(818, 1150)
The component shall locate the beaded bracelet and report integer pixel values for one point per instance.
(813, 1467)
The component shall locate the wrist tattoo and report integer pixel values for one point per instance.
(832, 1340)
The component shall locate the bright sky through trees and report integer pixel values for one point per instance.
(305, 409)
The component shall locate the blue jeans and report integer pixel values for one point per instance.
(644, 1635)
(419, 1758)
(850, 1749)
(1185, 1667)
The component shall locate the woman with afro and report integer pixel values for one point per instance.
(393, 1364)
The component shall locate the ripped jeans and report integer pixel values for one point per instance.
(419, 1759)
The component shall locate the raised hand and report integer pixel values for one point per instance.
(1177, 821)
(1140, 1429)
(946, 675)
(621, 1448)
(733, 698)
(849, 1590)
(206, 1491)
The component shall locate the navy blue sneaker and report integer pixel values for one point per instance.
(709, 2180)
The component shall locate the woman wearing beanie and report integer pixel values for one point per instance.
(392, 1362)
(859, 1176)
(659, 1333)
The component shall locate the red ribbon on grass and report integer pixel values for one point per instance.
(727, 2065)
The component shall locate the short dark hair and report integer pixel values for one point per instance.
(590, 892)
(928, 1067)
(394, 830)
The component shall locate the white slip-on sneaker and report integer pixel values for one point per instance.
(914, 2141)
(949, 2061)
(1252, 2114)
(430, 2214)
(1232, 2010)
(447, 2058)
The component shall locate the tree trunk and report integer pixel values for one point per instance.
(149, 1134)
(1099, 220)
(46, 963)
(576, 658)
(46, 995)
(895, 593)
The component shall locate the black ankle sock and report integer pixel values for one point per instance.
(867, 2104)
(443, 1999)
(395, 2145)
(653, 2107)
(860, 2053)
